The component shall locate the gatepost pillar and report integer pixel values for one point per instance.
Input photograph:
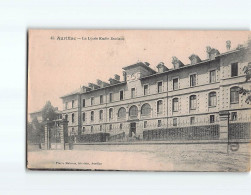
(65, 131)
(46, 135)
(224, 125)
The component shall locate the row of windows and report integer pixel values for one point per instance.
(101, 127)
(212, 77)
(133, 111)
(212, 100)
(233, 117)
(193, 80)
(121, 94)
(193, 102)
(146, 108)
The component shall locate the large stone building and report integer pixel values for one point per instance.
(145, 99)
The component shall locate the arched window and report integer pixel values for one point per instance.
(110, 113)
(101, 115)
(146, 110)
(92, 115)
(234, 95)
(175, 104)
(83, 129)
(122, 112)
(212, 99)
(193, 102)
(159, 107)
(133, 111)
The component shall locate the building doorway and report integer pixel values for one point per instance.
(132, 129)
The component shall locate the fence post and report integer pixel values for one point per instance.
(224, 125)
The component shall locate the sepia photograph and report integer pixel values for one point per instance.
(138, 100)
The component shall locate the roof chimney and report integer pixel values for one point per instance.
(117, 77)
(93, 86)
(113, 81)
(176, 63)
(212, 53)
(147, 64)
(194, 59)
(161, 67)
(124, 76)
(228, 45)
(85, 89)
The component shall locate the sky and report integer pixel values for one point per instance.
(57, 67)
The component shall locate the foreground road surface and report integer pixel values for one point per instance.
(155, 157)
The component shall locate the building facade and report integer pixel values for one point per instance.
(145, 99)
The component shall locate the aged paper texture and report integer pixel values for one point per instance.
(139, 100)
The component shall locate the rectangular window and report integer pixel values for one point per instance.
(120, 126)
(212, 78)
(72, 117)
(133, 93)
(145, 89)
(121, 95)
(101, 115)
(159, 107)
(193, 102)
(234, 69)
(175, 84)
(92, 100)
(110, 127)
(175, 104)
(212, 99)
(83, 117)
(101, 99)
(192, 80)
(92, 115)
(192, 120)
(83, 102)
(110, 97)
(159, 123)
(233, 116)
(66, 105)
(234, 95)
(175, 122)
(159, 87)
(145, 124)
(72, 103)
(100, 127)
(212, 119)
(110, 113)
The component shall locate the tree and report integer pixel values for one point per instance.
(48, 112)
(247, 71)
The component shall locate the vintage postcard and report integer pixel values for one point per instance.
(139, 100)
